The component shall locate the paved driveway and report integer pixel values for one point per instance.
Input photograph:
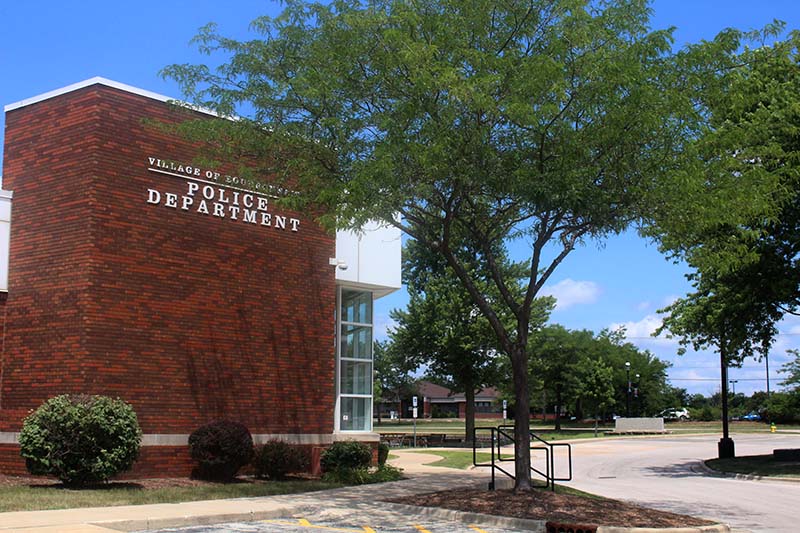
(666, 473)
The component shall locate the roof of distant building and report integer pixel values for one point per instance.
(437, 393)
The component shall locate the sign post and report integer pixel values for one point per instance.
(505, 407)
(414, 414)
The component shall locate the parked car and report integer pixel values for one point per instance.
(753, 417)
(674, 414)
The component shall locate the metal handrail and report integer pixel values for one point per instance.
(548, 447)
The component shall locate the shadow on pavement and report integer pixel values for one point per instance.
(690, 468)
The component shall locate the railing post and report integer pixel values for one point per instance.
(491, 483)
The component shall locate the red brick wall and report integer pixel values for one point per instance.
(187, 316)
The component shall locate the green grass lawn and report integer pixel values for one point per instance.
(456, 459)
(463, 460)
(32, 498)
(756, 465)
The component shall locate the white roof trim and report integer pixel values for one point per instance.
(97, 80)
(86, 83)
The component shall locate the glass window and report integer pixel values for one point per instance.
(356, 342)
(356, 414)
(356, 377)
(356, 306)
(355, 361)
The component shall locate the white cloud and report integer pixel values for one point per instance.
(641, 331)
(669, 300)
(569, 292)
(643, 306)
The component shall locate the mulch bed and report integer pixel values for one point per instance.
(546, 505)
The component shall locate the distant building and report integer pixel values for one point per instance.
(441, 402)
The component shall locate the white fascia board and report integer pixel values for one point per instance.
(378, 291)
(97, 80)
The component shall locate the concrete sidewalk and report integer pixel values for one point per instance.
(422, 478)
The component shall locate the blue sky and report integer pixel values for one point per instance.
(49, 44)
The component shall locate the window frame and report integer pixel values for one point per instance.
(340, 325)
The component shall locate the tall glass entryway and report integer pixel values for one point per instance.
(354, 360)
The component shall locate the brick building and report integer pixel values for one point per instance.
(128, 271)
(441, 402)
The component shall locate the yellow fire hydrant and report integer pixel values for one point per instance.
(772, 428)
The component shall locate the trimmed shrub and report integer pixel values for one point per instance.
(275, 459)
(383, 453)
(220, 448)
(362, 476)
(346, 455)
(80, 439)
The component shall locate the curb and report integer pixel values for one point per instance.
(715, 528)
(744, 477)
(522, 524)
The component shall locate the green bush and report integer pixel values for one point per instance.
(707, 414)
(346, 455)
(783, 408)
(80, 439)
(220, 448)
(275, 459)
(383, 453)
(363, 475)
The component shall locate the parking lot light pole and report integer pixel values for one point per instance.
(725, 447)
(628, 395)
(733, 383)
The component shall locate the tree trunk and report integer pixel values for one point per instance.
(469, 396)
(522, 420)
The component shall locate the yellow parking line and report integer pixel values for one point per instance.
(476, 528)
(421, 529)
(305, 523)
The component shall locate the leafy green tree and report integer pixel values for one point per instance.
(650, 391)
(747, 275)
(557, 356)
(548, 122)
(443, 331)
(393, 375)
(737, 303)
(783, 408)
(596, 386)
(792, 371)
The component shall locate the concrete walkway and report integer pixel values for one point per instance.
(422, 478)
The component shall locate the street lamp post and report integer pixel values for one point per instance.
(628, 395)
(766, 361)
(733, 383)
(725, 447)
(636, 395)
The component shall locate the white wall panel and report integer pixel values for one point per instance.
(5, 233)
(372, 256)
